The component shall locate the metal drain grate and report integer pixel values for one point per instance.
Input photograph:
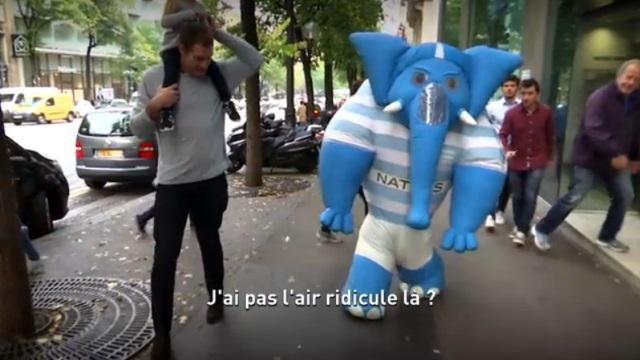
(86, 318)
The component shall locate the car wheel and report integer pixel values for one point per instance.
(70, 117)
(40, 222)
(96, 185)
(17, 123)
(42, 119)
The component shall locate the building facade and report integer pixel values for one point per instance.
(62, 54)
(571, 47)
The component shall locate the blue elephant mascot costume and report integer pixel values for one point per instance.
(415, 129)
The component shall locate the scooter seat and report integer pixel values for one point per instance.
(279, 141)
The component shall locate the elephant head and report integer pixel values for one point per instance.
(432, 86)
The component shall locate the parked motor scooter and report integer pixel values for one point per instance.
(282, 146)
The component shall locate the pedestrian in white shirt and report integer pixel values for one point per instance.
(496, 111)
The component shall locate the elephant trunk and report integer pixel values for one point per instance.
(428, 123)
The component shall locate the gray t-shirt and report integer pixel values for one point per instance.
(185, 11)
(195, 150)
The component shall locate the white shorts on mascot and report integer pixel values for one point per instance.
(413, 131)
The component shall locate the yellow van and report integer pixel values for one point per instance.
(43, 108)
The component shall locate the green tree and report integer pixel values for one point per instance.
(37, 15)
(337, 20)
(104, 22)
(274, 75)
(219, 10)
(146, 41)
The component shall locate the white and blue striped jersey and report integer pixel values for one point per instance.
(361, 122)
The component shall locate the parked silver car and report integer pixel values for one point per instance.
(107, 150)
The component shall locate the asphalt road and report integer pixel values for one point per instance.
(56, 141)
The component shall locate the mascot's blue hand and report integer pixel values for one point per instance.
(419, 219)
(338, 220)
(459, 241)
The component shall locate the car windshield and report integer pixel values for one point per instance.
(6, 97)
(106, 124)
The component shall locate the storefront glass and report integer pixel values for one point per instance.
(588, 50)
(589, 42)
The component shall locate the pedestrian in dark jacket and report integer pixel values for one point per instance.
(607, 147)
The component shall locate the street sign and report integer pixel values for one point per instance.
(20, 45)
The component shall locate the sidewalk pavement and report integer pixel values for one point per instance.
(501, 302)
(100, 239)
(588, 224)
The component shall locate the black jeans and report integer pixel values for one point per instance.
(620, 188)
(504, 198)
(148, 214)
(525, 186)
(206, 201)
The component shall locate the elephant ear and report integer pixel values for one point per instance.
(379, 53)
(488, 68)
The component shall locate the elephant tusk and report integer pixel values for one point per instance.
(393, 107)
(467, 118)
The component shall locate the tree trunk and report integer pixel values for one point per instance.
(16, 313)
(290, 112)
(253, 175)
(305, 57)
(88, 88)
(34, 69)
(352, 76)
(328, 83)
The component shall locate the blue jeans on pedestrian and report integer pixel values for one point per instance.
(619, 187)
(525, 186)
(27, 246)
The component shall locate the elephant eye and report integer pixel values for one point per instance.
(452, 83)
(419, 78)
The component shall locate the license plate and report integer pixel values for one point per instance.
(110, 153)
(18, 116)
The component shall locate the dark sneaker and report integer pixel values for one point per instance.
(328, 237)
(215, 312)
(141, 224)
(167, 120)
(614, 245)
(161, 347)
(229, 107)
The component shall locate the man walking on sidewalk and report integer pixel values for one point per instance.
(606, 148)
(495, 112)
(527, 135)
(192, 164)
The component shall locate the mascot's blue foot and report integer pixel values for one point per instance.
(368, 288)
(425, 280)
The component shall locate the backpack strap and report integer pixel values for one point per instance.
(219, 82)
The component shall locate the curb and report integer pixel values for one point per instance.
(581, 242)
